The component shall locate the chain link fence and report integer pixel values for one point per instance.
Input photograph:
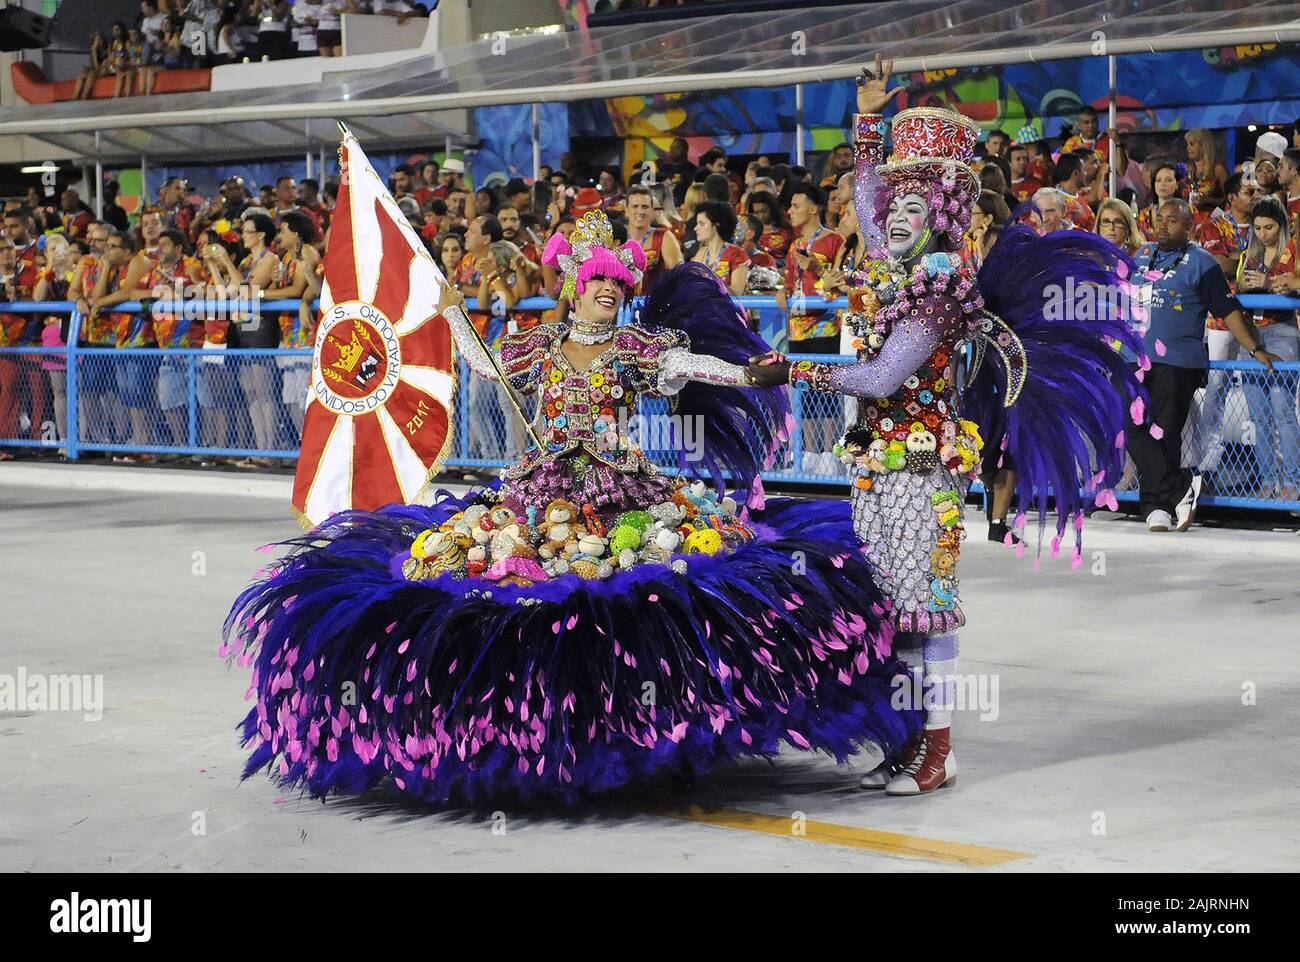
(1243, 433)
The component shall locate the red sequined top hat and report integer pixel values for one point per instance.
(931, 143)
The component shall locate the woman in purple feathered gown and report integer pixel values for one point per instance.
(589, 622)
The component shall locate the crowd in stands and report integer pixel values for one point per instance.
(763, 226)
(185, 34)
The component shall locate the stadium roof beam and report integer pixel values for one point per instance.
(683, 56)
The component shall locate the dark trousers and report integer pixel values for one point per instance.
(1161, 476)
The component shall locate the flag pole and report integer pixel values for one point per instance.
(501, 377)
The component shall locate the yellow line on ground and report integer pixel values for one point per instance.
(849, 836)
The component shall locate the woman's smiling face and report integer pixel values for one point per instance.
(600, 300)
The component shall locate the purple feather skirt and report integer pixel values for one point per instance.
(565, 688)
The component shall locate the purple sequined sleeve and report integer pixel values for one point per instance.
(868, 152)
(907, 348)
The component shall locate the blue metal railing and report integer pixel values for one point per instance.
(1244, 430)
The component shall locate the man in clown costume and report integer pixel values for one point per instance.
(1051, 391)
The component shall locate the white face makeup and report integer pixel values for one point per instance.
(600, 300)
(905, 223)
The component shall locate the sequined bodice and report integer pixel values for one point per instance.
(586, 410)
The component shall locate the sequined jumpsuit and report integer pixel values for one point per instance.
(583, 417)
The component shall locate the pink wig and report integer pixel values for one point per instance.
(602, 262)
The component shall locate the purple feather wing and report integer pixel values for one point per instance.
(1065, 430)
(740, 425)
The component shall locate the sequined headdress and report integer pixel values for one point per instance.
(590, 252)
(932, 150)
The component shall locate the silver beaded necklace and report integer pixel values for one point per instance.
(590, 332)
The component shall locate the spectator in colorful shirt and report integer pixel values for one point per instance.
(136, 375)
(1225, 232)
(715, 225)
(477, 277)
(18, 227)
(172, 278)
(1206, 175)
(294, 280)
(838, 163)
(100, 410)
(20, 377)
(811, 331)
(75, 215)
(777, 235)
(1268, 266)
(1086, 136)
(52, 285)
(1070, 182)
(1288, 178)
(175, 211)
(815, 247)
(309, 202)
(662, 251)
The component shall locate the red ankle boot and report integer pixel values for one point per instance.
(934, 766)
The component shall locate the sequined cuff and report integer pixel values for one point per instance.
(679, 366)
(469, 346)
(811, 376)
(869, 137)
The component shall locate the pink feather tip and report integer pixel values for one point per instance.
(1157, 431)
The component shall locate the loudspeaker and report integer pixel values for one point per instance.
(23, 30)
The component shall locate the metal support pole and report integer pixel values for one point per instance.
(1110, 138)
(308, 174)
(145, 199)
(447, 148)
(99, 181)
(798, 124)
(537, 142)
(306, 129)
(73, 389)
(193, 380)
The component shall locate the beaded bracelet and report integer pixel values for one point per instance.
(810, 376)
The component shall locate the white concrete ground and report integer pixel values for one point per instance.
(1122, 741)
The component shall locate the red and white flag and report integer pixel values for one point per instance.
(379, 409)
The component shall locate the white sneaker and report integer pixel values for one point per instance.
(1185, 510)
(1159, 521)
